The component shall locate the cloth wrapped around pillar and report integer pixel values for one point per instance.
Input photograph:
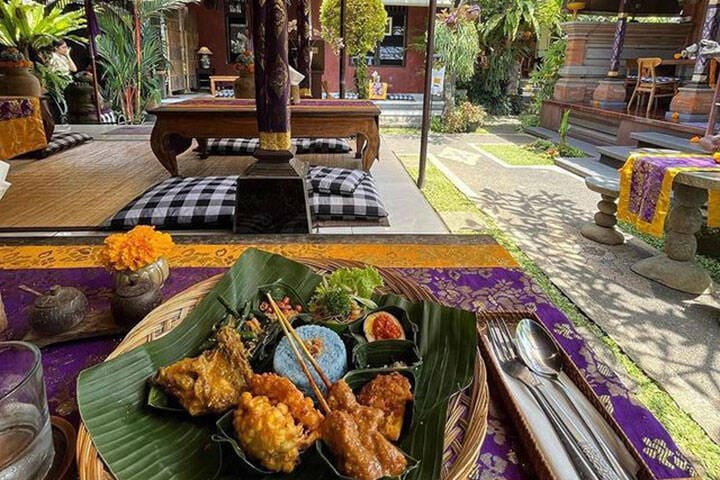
(304, 31)
(272, 82)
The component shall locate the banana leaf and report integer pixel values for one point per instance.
(138, 443)
(386, 353)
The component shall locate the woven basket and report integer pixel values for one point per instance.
(467, 411)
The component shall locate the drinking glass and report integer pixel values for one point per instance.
(26, 446)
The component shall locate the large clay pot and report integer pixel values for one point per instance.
(244, 85)
(80, 97)
(19, 82)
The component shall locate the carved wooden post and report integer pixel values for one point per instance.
(619, 41)
(271, 196)
(304, 31)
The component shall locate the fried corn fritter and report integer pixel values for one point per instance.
(268, 433)
(211, 382)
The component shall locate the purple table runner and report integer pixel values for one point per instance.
(471, 289)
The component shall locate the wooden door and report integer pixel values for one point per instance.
(176, 51)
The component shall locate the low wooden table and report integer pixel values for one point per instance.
(178, 123)
(214, 79)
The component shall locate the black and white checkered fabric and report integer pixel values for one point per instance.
(225, 93)
(364, 204)
(658, 79)
(181, 203)
(401, 96)
(59, 143)
(247, 146)
(340, 181)
(108, 117)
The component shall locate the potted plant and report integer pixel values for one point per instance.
(244, 85)
(16, 78)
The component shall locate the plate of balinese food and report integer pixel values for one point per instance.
(284, 369)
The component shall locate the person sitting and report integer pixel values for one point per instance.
(60, 60)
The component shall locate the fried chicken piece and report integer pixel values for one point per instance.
(280, 390)
(390, 393)
(209, 383)
(340, 432)
(341, 397)
(268, 432)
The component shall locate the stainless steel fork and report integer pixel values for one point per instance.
(588, 461)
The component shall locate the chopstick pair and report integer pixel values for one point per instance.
(293, 337)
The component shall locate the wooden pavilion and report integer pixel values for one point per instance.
(599, 74)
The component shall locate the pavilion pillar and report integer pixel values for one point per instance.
(304, 31)
(610, 93)
(694, 100)
(271, 194)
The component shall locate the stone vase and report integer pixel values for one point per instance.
(244, 85)
(15, 81)
(157, 272)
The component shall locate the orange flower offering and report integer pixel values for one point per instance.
(695, 139)
(716, 157)
(675, 116)
(677, 56)
(135, 249)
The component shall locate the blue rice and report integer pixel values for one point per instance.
(332, 358)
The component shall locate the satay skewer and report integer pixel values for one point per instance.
(292, 336)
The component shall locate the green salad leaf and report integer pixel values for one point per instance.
(358, 282)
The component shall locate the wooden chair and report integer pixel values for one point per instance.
(648, 82)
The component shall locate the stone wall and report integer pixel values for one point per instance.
(590, 45)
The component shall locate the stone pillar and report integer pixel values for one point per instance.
(610, 93)
(693, 101)
(304, 31)
(676, 267)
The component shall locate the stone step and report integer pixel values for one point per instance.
(548, 134)
(616, 156)
(594, 124)
(587, 167)
(591, 135)
(663, 140)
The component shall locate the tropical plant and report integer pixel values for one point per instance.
(54, 83)
(564, 127)
(130, 75)
(457, 42)
(364, 28)
(30, 26)
(465, 118)
(545, 75)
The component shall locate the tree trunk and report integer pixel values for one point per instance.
(449, 93)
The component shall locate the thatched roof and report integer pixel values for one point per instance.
(637, 7)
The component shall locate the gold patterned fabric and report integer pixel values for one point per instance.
(24, 133)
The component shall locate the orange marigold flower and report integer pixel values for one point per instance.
(716, 157)
(695, 139)
(675, 116)
(135, 249)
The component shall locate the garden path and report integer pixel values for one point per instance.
(672, 336)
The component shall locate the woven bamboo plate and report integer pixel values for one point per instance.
(467, 412)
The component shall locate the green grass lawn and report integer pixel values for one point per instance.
(516, 155)
(446, 198)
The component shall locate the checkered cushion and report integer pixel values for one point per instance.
(59, 143)
(364, 204)
(400, 96)
(247, 146)
(108, 117)
(340, 181)
(658, 79)
(181, 202)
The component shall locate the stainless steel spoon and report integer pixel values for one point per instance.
(542, 355)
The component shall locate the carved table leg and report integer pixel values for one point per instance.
(359, 145)
(202, 147)
(167, 146)
(676, 268)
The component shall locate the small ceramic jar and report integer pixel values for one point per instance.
(58, 310)
(133, 300)
(157, 272)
